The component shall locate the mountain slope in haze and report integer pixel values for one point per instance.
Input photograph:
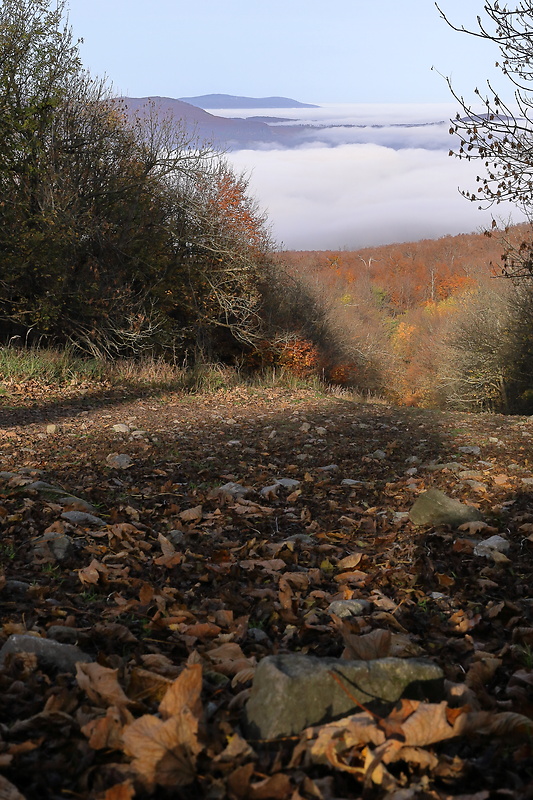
(230, 134)
(234, 101)
(268, 132)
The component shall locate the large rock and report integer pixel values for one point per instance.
(293, 692)
(62, 657)
(436, 508)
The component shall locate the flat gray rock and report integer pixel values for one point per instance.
(16, 587)
(231, 489)
(436, 508)
(288, 483)
(119, 460)
(50, 653)
(82, 518)
(494, 544)
(72, 500)
(57, 495)
(293, 692)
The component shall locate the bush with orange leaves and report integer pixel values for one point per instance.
(299, 356)
(292, 352)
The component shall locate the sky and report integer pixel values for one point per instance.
(363, 61)
(342, 51)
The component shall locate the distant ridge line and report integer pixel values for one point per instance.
(236, 101)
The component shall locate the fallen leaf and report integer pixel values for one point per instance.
(106, 732)
(92, 573)
(184, 694)
(367, 647)
(191, 514)
(121, 791)
(100, 684)
(163, 752)
(8, 791)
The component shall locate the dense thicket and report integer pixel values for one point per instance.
(116, 236)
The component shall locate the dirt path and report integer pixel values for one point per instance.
(176, 570)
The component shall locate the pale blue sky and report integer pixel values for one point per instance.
(348, 51)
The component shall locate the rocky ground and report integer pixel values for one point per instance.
(163, 555)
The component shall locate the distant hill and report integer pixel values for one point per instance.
(227, 133)
(234, 101)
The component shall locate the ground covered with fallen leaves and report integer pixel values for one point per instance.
(183, 589)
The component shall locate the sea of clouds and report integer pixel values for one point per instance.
(370, 175)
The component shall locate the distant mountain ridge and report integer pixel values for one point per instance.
(259, 132)
(235, 101)
(228, 133)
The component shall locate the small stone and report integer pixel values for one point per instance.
(321, 431)
(288, 483)
(51, 429)
(119, 460)
(121, 427)
(175, 537)
(78, 502)
(16, 587)
(50, 653)
(491, 545)
(400, 516)
(270, 492)
(348, 608)
(234, 442)
(473, 450)
(234, 490)
(257, 635)
(379, 454)
(477, 486)
(305, 427)
(300, 538)
(329, 468)
(44, 488)
(350, 482)
(58, 545)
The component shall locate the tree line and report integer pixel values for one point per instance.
(121, 236)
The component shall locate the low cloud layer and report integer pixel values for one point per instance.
(363, 194)
(364, 186)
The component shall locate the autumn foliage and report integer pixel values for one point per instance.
(404, 317)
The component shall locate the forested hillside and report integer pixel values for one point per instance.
(435, 322)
